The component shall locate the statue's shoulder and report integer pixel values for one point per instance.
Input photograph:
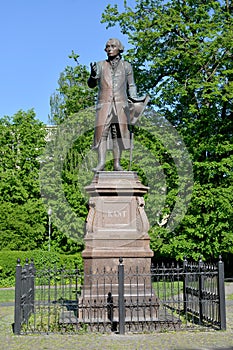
(127, 66)
(126, 63)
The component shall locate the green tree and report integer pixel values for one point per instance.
(63, 176)
(182, 55)
(72, 112)
(72, 94)
(22, 214)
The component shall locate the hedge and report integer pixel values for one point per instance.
(8, 262)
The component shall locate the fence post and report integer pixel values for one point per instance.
(200, 287)
(26, 288)
(18, 286)
(32, 286)
(221, 293)
(185, 278)
(121, 301)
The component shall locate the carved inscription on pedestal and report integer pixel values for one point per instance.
(116, 214)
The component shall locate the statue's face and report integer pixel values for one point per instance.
(112, 48)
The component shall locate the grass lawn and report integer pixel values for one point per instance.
(7, 295)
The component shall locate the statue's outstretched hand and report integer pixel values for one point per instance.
(93, 69)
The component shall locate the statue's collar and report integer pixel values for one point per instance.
(114, 62)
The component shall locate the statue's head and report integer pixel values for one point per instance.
(114, 47)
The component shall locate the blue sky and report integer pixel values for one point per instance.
(36, 38)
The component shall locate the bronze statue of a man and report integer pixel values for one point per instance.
(115, 81)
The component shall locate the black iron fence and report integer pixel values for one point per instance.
(24, 294)
(194, 291)
(168, 297)
(204, 293)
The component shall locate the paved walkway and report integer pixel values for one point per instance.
(179, 340)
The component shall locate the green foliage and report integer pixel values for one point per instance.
(22, 214)
(65, 153)
(41, 259)
(63, 175)
(22, 141)
(182, 55)
(22, 226)
(73, 94)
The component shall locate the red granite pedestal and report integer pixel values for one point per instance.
(117, 227)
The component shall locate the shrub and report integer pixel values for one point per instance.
(41, 258)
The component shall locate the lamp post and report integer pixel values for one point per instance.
(49, 215)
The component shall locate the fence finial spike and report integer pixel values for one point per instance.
(121, 261)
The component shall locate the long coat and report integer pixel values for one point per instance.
(115, 85)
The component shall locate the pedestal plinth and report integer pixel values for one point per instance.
(117, 225)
